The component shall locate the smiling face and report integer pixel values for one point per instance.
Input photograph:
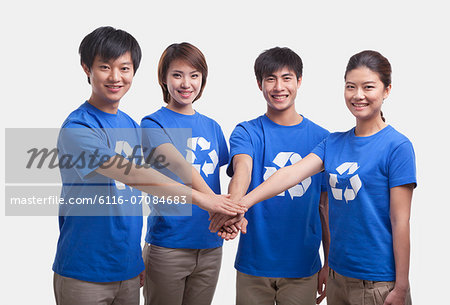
(280, 89)
(364, 94)
(183, 83)
(110, 80)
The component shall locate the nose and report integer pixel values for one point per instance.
(185, 82)
(359, 94)
(278, 85)
(114, 75)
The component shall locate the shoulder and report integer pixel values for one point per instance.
(254, 125)
(152, 119)
(81, 117)
(395, 139)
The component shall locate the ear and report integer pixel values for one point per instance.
(387, 90)
(86, 69)
(299, 81)
(259, 85)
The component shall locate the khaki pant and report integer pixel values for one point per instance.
(70, 291)
(258, 290)
(342, 290)
(180, 276)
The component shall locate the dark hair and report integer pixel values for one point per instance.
(275, 59)
(186, 52)
(109, 43)
(374, 61)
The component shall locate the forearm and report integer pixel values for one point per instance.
(283, 179)
(198, 183)
(400, 210)
(239, 184)
(401, 245)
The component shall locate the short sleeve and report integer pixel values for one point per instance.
(153, 135)
(240, 143)
(402, 165)
(83, 148)
(319, 150)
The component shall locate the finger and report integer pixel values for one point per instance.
(214, 221)
(232, 220)
(234, 205)
(218, 223)
(228, 229)
(244, 226)
(233, 236)
(228, 236)
(234, 228)
(320, 298)
(228, 211)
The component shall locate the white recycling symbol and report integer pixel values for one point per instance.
(281, 160)
(350, 192)
(207, 168)
(123, 146)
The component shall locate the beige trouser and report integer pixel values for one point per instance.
(258, 290)
(70, 291)
(342, 290)
(180, 276)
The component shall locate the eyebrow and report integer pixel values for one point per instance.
(104, 61)
(283, 75)
(179, 71)
(367, 82)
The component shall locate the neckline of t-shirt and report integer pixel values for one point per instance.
(99, 112)
(375, 135)
(181, 114)
(301, 124)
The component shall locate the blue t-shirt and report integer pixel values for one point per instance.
(97, 248)
(207, 149)
(284, 232)
(360, 173)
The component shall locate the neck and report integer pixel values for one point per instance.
(105, 106)
(368, 128)
(285, 118)
(182, 109)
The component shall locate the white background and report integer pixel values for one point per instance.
(42, 82)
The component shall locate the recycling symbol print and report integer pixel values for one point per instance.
(349, 183)
(200, 149)
(281, 160)
(121, 148)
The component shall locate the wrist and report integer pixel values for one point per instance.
(401, 287)
(245, 202)
(197, 197)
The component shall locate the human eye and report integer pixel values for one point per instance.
(195, 75)
(270, 79)
(126, 68)
(370, 87)
(104, 67)
(176, 75)
(349, 87)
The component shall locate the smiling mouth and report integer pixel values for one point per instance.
(360, 105)
(113, 86)
(185, 93)
(280, 97)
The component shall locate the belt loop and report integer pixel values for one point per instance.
(331, 273)
(368, 284)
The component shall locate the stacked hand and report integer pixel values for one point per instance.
(228, 226)
(220, 204)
